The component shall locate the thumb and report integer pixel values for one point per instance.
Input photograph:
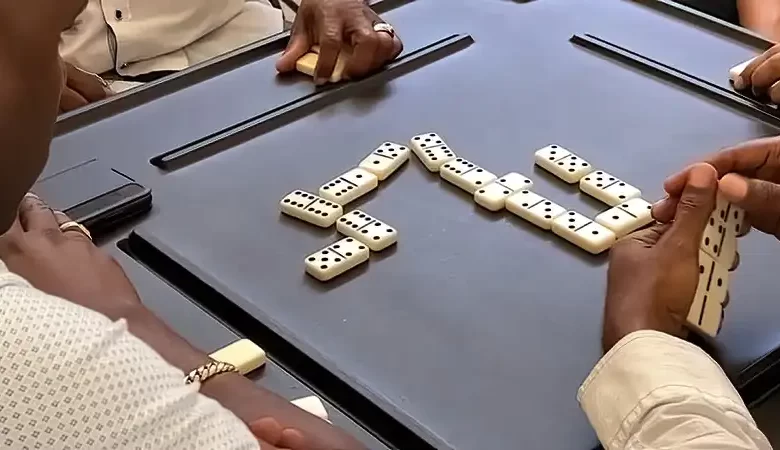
(760, 199)
(695, 206)
(298, 46)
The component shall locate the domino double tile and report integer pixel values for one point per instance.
(534, 208)
(432, 151)
(336, 259)
(368, 230)
(493, 196)
(608, 188)
(385, 160)
(349, 186)
(562, 163)
(311, 208)
(583, 232)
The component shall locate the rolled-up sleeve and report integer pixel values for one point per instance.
(655, 391)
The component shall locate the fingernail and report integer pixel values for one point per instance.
(661, 202)
(32, 195)
(320, 81)
(739, 83)
(734, 187)
(702, 176)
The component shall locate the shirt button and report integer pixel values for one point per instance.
(118, 14)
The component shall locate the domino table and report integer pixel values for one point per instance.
(476, 329)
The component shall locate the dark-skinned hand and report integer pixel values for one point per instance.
(272, 436)
(335, 25)
(653, 273)
(80, 88)
(65, 264)
(762, 75)
(750, 179)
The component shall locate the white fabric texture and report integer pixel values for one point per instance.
(135, 37)
(653, 391)
(71, 378)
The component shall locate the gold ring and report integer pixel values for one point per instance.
(383, 27)
(75, 226)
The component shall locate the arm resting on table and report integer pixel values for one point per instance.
(235, 392)
(652, 390)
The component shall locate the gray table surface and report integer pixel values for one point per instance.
(466, 332)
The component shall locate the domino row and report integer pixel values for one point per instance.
(513, 192)
(718, 247)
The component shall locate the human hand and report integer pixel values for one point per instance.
(335, 24)
(80, 88)
(653, 273)
(762, 74)
(272, 436)
(750, 180)
(66, 264)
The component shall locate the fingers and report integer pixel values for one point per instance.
(745, 79)
(649, 236)
(756, 158)
(70, 100)
(774, 93)
(694, 208)
(365, 46)
(91, 87)
(765, 74)
(760, 199)
(35, 214)
(267, 429)
(388, 49)
(330, 47)
(292, 439)
(663, 210)
(298, 46)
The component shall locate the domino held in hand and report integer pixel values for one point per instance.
(706, 313)
(307, 64)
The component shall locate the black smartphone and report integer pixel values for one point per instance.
(95, 195)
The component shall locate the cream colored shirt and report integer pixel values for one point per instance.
(135, 37)
(70, 378)
(653, 391)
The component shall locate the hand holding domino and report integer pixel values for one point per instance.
(654, 279)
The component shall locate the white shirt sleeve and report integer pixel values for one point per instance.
(71, 378)
(654, 391)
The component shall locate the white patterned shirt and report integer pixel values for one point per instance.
(70, 378)
(652, 391)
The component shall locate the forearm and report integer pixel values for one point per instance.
(654, 389)
(235, 392)
(761, 16)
